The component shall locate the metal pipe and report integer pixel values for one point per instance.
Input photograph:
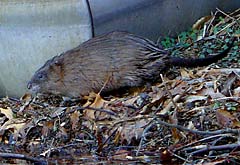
(152, 18)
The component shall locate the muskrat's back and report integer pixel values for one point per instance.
(118, 59)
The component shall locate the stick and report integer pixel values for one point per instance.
(21, 156)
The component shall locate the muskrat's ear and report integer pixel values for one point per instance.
(57, 67)
(58, 62)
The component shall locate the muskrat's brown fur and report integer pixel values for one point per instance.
(118, 59)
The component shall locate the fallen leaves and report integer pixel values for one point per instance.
(7, 112)
(172, 112)
(190, 119)
(226, 119)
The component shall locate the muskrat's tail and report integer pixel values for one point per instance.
(191, 62)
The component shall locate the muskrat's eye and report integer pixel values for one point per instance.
(40, 76)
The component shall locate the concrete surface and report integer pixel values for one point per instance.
(33, 31)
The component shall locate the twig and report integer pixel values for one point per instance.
(217, 71)
(105, 84)
(225, 14)
(179, 157)
(227, 98)
(48, 152)
(143, 136)
(217, 148)
(224, 131)
(100, 147)
(132, 119)
(211, 22)
(214, 143)
(170, 105)
(227, 26)
(21, 156)
(91, 108)
(101, 110)
(202, 140)
(26, 104)
(174, 100)
(168, 92)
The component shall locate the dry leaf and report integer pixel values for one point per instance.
(14, 124)
(236, 92)
(186, 73)
(175, 133)
(74, 117)
(121, 154)
(131, 101)
(169, 105)
(132, 130)
(200, 22)
(26, 97)
(7, 112)
(17, 126)
(225, 118)
(157, 94)
(98, 103)
(215, 162)
(210, 92)
(236, 124)
(62, 133)
(47, 126)
(193, 98)
(179, 88)
(228, 84)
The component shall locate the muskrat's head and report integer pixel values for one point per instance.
(48, 78)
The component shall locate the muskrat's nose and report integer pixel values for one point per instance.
(29, 85)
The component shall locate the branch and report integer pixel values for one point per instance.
(224, 131)
(21, 156)
(217, 148)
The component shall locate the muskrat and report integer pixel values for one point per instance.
(116, 59)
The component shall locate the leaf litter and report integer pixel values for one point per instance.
(190, 117)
